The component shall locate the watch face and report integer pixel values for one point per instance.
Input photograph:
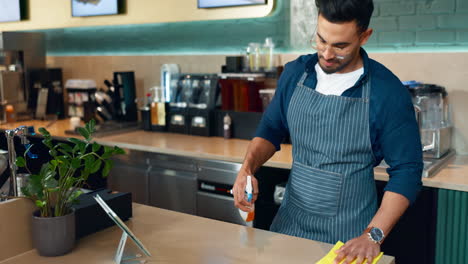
(376, 234)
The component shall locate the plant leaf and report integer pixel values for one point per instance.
(62, 171)
(40, 203)
(20, 162)
(107, 167)
(96, 165)
(96, 147)
(73, 198)
(75, 163)
(118, 151)
(83, 132)
(44, 131)
(53, 153)
(74, 141)
(50, 184)
(107, 152)
(65, 147)
(63, 160)
(48, 143)
(89, 160)
(91, 126)
(54, 163)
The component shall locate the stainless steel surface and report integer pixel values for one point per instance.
(218, 171)
(431, 165)
(213, 205)
(173, 190)
(129, 175)
(218, 207)
(437, 142)
(4, 186)
(173, 162)
(20, 52)
(22, 132)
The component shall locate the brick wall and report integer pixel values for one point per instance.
(420, 23)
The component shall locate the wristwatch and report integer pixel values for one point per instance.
(375, 234)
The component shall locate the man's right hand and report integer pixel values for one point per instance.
(238, 190)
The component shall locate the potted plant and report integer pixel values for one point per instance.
(58, 184)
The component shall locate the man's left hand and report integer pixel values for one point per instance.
(359, 248)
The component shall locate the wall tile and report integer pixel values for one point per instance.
(397, 38)
(397, 8)
(453, 21)
(384, 23)
(435, 37)
(419, 22)
(436, 7)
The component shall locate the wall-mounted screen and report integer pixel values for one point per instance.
(10, 10)
(222, 3)
(95, 7)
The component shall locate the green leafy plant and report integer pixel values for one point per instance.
(59, 182)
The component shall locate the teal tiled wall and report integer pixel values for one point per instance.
(197, 37)
(410, 25)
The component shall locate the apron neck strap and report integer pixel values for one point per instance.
(366, 87)
(301, 81)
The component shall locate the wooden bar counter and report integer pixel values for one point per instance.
(173, 237)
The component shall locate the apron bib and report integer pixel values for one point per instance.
(331, 193)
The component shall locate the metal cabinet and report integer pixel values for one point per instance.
(213, 198)
(173, 183)
(130, 174)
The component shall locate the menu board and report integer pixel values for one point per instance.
(94, 7)
(223, 3)
(10, 10)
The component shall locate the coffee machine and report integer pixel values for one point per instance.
(433, 114)
(20, 53)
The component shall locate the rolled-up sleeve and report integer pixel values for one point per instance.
(401, 145)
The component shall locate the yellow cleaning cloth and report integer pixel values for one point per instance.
(328, 259)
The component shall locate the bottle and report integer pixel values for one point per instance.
(254, 56)
(268, 58)
(154, 114)
(10, 114)
(227, 126)
(248, 216)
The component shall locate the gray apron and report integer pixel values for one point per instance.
(331, 193)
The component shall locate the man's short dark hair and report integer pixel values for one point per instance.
(340, 11)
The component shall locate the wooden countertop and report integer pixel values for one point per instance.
(173, 237)
(453, 177)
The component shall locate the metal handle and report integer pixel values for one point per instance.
(417, 111)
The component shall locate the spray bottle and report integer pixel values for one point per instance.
(248, 216)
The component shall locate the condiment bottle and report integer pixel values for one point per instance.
(10, 114)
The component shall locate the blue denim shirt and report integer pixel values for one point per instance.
(394, 133)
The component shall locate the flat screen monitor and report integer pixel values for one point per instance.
(223, 3)
(81, 8)
(10, 10)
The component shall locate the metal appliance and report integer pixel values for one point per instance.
(433, 115)
(215, 180)
(17, 180)
(20, 52)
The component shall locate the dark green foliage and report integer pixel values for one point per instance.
(57, 187)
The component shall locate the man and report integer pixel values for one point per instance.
(344, 113)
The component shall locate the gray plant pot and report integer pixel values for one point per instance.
(53, 236)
